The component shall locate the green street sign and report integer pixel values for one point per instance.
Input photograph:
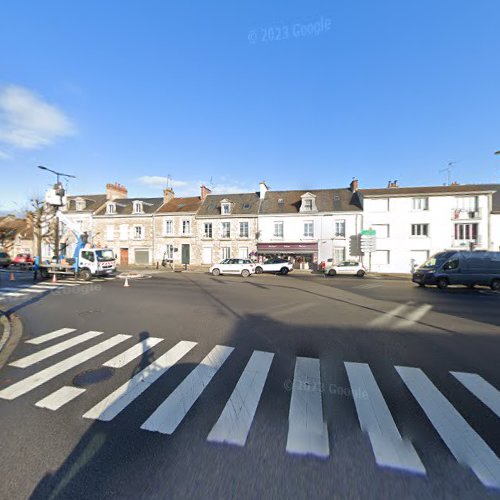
(368, 232)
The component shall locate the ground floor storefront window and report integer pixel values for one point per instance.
(301, 255)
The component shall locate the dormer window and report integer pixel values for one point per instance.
(80, 204)
(308, 203)
(138, 208)
(111, 208)
(225, 207)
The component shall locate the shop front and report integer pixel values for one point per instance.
(302, 255)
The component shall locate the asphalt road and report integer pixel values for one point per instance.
(273, 387)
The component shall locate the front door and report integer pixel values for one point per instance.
(124, 256)
(207, 255)
(186, 254)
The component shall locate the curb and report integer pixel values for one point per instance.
(6, 330)
(12, 333)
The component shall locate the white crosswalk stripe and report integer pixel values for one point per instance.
(60, 397)
(170, 413)
(483, 390)
(113, 404)
(132, 353)
(50, 336)
(376, 420)
(462, 440)
(307, 429)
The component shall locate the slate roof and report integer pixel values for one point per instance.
(124, 206)
(11, 226)
(183, 205)
(242, 204)
(93, 202)
(327, 200)
(431, 190)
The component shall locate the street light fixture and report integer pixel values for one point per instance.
(58, 174)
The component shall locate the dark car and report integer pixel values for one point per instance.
(5, 260)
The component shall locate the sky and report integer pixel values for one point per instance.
(300, 94)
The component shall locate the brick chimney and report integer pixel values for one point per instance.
(204, 192)
(392, 184)
(168, 194)
(263, 189)
(115, 191)
(354, 185)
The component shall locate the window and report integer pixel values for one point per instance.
(381, 230)
(226, 252)
(138, 234)
(338, 255)
(451, 264)
(137, 207)
(80, 204)
(466, 203)
(243, 252)
(278, 229)
(169, 252)
(207, 230)
(123, 232)
(88, 255)
(466, 231)
(308, 229)
(226, 229)
(340, 228)
(111, 208)
(110, 236)
(378, 205)
(243, 229)
(169, 226)
(420, 229)
(226, 208)
(186, 227)
(308, 204)
(420, 203)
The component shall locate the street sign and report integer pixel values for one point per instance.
(368, 240)
(368, 232)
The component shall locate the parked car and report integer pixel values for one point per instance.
(23, 260)
(460, 268)
(5, 260)
(346, 267)
(281, 266)
(245, 267)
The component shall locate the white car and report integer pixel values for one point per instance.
(346, 267)
(245, 267)
(281, 266)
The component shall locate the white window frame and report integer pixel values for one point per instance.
(111, 208)
(466, 203)
(243, 252)
(336, 252)
(308, 205)
(169, 251)
(226, 209)
(138, 207)
(420, 203)
(464, 228)
(186, 227)
(208, 234)
(279, 229)
(419, 230)
(226, 230)
(169, 227)
(309, 229)
(226, 253)
(244, 232)
(110, 233)
(339, 223)
(123, 232)
(80, 205)
(138, 235)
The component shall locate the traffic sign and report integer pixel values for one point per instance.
(368, 232)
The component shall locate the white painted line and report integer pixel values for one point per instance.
(388, 316)
(170, 413)
(39, 378)
(29, 290)
(483, 390)
(414, 316)
(235, 420)
(44, 287)
(307, 430)
(10, 289)
(50, 336)
(60, 397)
(389, 448)
(132, 353)
(113, 404)
(12, 294)
(462, 440)
(54, 349)
(64, 283)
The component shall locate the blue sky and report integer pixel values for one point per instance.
(203, 91)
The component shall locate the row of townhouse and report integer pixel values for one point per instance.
(308, 227)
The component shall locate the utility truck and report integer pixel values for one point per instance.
(87, 261)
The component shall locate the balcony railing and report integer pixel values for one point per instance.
(465, 214)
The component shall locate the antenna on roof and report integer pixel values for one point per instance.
(448, 170)
(169, 180)
(211, 184)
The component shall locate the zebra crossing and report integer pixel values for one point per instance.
(13, 289)
(308, 428)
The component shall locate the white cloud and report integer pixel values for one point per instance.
(158, 180)
(4, 155)
(27, 122)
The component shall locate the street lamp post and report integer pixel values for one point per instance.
(59, 190)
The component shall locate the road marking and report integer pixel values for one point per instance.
(462, 440)
(235, 420)
(28, 290)
(39, 378)
(44, 287)
(12, 289)
(12, 294)
(386, 317)
(170, 413)
(60, 397)
(307, 430)
(369, 285)
(414, 316)
(483, 390)
(55, 349)
(50, 336)
(132, 353)
(390, 449)
(113, 404)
